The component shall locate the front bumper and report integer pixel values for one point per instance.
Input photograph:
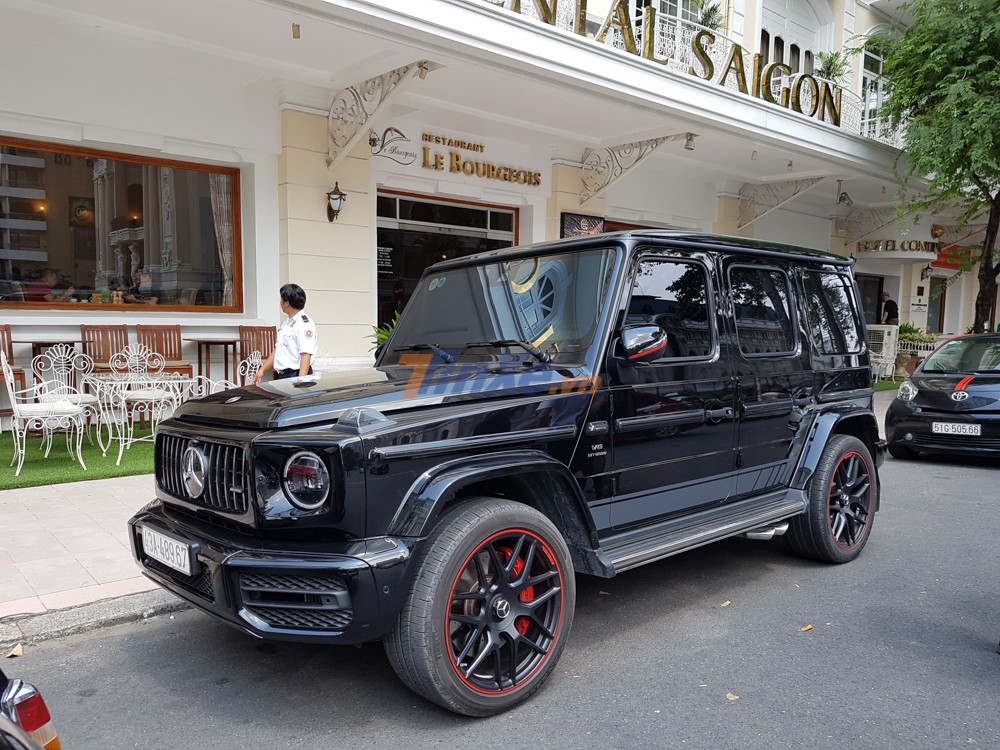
(343, 592)
(909, 426)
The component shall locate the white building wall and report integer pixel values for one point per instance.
(91, 86)
(794, 229)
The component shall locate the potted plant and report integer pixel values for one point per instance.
(906, 360)
(106, 296)
(380, 334)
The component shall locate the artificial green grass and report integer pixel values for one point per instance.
(60, 467)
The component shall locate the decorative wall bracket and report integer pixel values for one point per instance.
(603, 167)
(759, 200)
(354, 108)
(863, 222)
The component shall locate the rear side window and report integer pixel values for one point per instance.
(762, 302)
(832, 313)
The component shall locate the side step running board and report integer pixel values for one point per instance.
(640, 546)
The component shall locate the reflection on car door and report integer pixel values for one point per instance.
(771, 368)
(672, 420)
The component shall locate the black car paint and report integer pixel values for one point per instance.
(608, 448)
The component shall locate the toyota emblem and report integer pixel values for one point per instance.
(193, 474)
(959, 395)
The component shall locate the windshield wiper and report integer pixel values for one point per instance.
(448, 358)
(533, 350)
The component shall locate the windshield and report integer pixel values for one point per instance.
(974, 354)
(543, 309)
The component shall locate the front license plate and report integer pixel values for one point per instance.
(170, 552)
(956, 428)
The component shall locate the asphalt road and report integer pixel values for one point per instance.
(901, 654)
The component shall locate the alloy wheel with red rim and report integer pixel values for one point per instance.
(504, 612)
(850, 501)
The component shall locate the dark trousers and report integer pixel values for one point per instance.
(294, 373)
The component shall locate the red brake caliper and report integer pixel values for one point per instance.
(525, 596)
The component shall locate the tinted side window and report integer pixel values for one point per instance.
(674, 295)
(831, 312)
(761, 299)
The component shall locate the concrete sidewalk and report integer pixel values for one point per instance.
(65, 562)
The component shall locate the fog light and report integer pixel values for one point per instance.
(908, 436)
(306, 480)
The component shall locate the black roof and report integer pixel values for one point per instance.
(666, 238)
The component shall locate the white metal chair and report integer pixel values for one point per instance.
(204, 386)
(45, 407)
(138, 388)
(248, 368)
(64, 366)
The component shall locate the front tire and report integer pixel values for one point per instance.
(842, 502)
(489, 610)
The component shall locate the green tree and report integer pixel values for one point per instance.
(942, 77)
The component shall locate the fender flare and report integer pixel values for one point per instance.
(427, 496)
(827, 424)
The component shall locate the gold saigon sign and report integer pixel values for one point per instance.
(457, 162)
(806, 95)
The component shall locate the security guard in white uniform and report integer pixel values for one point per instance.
(296, 345)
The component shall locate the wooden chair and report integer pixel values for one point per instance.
(101, 343)
(7, 347)
(257, 339)
(166, 341)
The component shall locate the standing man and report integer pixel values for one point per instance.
(296, 344)
(890, 311)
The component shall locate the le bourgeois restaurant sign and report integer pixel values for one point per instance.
(807, 95)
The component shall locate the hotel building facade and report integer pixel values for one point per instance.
(206, 143)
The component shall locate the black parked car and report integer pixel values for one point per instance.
(582, 406)
(951, 403)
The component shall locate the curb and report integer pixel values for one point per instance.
(105, 613)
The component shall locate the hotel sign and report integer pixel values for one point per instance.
(805, 95)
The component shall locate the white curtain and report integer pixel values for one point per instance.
(222, 212)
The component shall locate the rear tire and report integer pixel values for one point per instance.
(489, 610)
(842, 502)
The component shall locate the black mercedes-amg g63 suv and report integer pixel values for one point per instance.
(580, 406)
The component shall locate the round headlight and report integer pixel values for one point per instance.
(306, 480)
(906, 391)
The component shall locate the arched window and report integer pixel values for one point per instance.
(793, 58)
(765, 44)
(779, 50)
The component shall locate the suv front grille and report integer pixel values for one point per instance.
(955, 441)
(297, 601)
(226, 482)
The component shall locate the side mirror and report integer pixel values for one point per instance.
(644, 343)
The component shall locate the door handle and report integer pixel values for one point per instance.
(717, 415)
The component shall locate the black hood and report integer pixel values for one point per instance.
(281, 403)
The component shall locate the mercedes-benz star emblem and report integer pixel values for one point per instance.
(193, 474)
(959, 395)
(501, 608)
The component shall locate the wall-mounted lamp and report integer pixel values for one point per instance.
(937, 231)
(335, 202)
(925, 272)
(689, 142)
